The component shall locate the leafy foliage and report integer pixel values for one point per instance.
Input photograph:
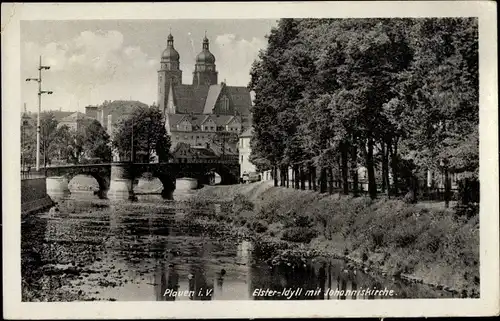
(144, 130)
(397, 96)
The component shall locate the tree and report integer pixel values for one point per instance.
(143, 133)
(395, 95)
(440, 97)
(48, 137)
(88, 142)
(28, 141)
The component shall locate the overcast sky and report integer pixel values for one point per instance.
(92, 61)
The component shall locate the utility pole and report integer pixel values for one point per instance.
(40, 92)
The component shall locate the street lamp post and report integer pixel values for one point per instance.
(40, 92)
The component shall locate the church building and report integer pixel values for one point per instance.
(205, 113)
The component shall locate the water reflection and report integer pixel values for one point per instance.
(150, 255)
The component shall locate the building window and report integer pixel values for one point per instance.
(242, 158)
(225, 103)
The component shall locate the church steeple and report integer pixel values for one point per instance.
(169, 74)
(204, 69)
(170, 108)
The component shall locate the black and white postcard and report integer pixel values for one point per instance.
(294, 159)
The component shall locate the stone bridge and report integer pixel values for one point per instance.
(116, 179)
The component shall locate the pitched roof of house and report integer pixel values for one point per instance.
(75, 117)
(59, 115)
(197, 120)
(247, 133)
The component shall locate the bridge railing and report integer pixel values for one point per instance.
(28, 174)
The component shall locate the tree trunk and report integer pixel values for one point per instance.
(330, 180)
(322, 180)
(275, 175)
(384, 161)
(309, 177)
(345, 168)
(385, 168)
(394, 167)
(372, 185)
(287, 176)
(296, 176)
(302, 178)
(447, 188)
(354, 170)
(313, 177)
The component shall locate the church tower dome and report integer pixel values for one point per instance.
(205, 56)
(204, 69)
(170, 54)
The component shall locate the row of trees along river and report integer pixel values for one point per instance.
(143, 127)
(397, 96)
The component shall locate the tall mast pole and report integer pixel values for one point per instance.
(40, 92)
(38, 116)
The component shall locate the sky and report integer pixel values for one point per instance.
(95, 60)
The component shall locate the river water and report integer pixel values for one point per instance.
(144, 251)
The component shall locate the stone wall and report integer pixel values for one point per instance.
(34, 195)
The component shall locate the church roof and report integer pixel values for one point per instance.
(191, 99)
(240, 98)
(213, 95)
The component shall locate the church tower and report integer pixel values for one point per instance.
(169, 75)
(204, 69)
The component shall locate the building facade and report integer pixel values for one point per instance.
(246, 167)
(205, 112)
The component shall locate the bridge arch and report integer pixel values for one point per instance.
(102, 181)
(58, 178)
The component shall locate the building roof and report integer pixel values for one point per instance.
(190, 99)
(213, 95)
(240, 98)
(247, 133)
(197, 120)
(75, 117)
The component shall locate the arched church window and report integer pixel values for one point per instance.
(225, 103)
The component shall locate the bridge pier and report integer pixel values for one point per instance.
(57, 186)
(120, 186)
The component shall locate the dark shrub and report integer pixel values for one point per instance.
(259, 226)
(466, 211)
(377, 235)
(364, 257)
(303, 221)
(299, 234)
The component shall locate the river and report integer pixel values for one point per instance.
(144, 251)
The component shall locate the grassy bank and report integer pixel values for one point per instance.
(434, 246)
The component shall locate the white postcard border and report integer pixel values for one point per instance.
(488, 304)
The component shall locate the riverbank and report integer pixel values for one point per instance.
(425, 245)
